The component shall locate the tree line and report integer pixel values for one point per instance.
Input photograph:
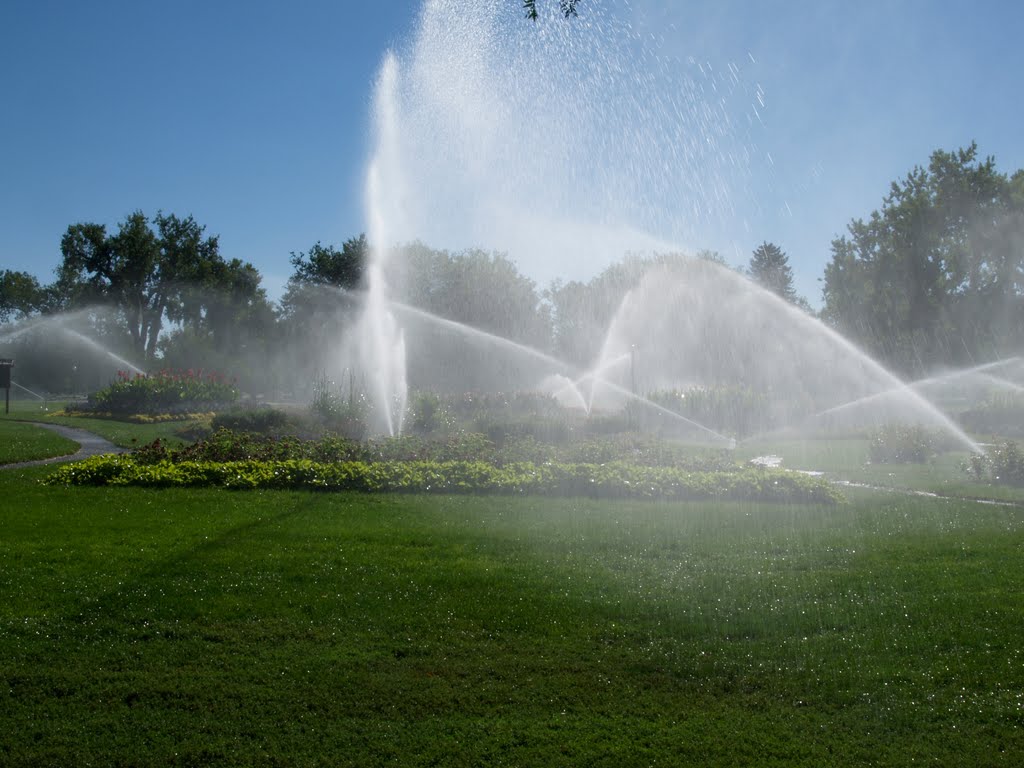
(934, 277)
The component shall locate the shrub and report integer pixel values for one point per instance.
(616, 480)
(344, 414)
(903, 444)
(262, 420)
(1003, 465)
(168, 391)
(428, 413)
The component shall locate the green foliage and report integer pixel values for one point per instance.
(264, 420)
(769, 268)
(934, 275)
(734, 410)
(225, 445)
(342, 412)
(428, 414)
(326, 265)
(903, 444)
(152, 275)
(20, 295)
(167, 391)
(1002, 465)
(615, 480)
(478, 288)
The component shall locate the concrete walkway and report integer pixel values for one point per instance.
(90, 444)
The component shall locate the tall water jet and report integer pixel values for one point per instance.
(568, 145)
(564, 144)
(381, 343)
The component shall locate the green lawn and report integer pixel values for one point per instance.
(27, 442)
(231, 628)
(847, 459)
(121, 433)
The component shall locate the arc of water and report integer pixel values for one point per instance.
(26, 389)
(915, 385)
(573, 385)
(560, 364)
(100, 348)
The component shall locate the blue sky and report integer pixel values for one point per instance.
(255, 117)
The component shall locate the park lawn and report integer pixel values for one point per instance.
(846, 459)
(208, 627)
(121, 433)
(20, 441)
(125, 434)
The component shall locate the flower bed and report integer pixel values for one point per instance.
(616, 480)
(166, 392)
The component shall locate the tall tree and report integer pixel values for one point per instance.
(329, 266)
(20, 295)
(321, 302)
(769, 268)
(150, 277)
(936, 275)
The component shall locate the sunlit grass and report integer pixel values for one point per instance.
(121, 433)
(847, 459)
(25, 442)
(187, 627)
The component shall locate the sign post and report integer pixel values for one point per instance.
(5, 381)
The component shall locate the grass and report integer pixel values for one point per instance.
(26, 442)
(209, 627)
(120, 433)
(847, 459)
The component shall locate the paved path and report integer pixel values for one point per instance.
(89, 445)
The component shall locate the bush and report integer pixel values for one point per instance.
(166, 392)
(428, 413)
(903, 444)
(641, 450)
(616, 480)
(344, 414)
(1003, 465)
(261, 420)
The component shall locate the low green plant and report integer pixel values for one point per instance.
(615, 481)
(167, 391)
(1002, 465)
(264, 420)
(734, 410)
(903, 444)
(428, 414)
(643, 450)
(344, 413)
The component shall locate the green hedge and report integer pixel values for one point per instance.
(615, 480)
(167, 391)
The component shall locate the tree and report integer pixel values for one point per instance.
(329, 266)
(769, 268)
(230, 326)
(20, 295)
(936, 275)
(319, 272)
(149, 277)
(481, 292)
(321, 303)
